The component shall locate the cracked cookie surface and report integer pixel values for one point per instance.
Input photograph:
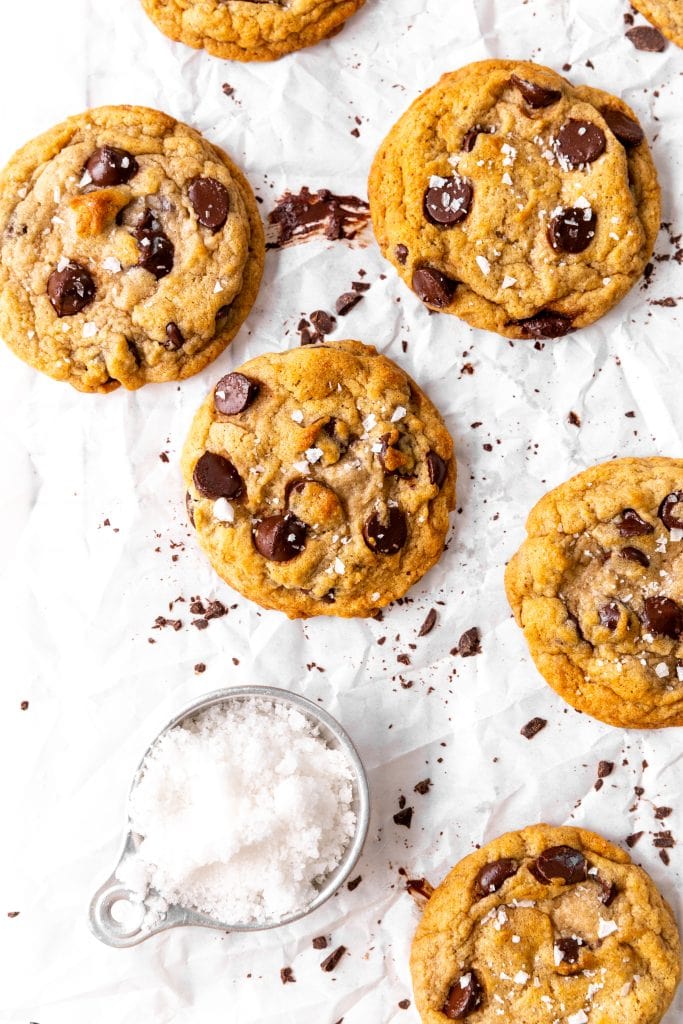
(250, 29)
(516, 201)
(667, 15)
(320, 480)
(597, 588)
(546, 926)
(131, 250)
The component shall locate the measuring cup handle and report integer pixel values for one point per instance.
(106, 927)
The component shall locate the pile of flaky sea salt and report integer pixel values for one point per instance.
(242, 811)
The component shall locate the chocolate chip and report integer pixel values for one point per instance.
(190, 507)
(533, 727)
(280, 538)
(471, 135)
(423, 786)
(635, 555)
(605, 768)
(608, 892)
(354, 883)
(108, 165)
(401, 253)
(323, 322)
(331, 961)
(429, 623)
(346, 302)
(560, 863)
(624, 127)
(490, 878)
(469, 643)
(464, 997)
(234, 393)
(631, 524)
(287, 975)
(211, 202)
(572, 230)
(215, 477)
(633, 839)
(404, 817)
(433, 287)
(545, 324)
(70, 289)
(437, 468)
(174, 338)
(386, 537)
(449, 201)
(647, 38)
(320, 942)
(580, 142)
(156, 248)
(669, 507)
(570, 947)
(537, 96)
(663, 616)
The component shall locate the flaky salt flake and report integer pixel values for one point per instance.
(313, 455)
(301, 467)
(339, 567)
(85, 180)
(606, 281)
(506, 179)
(298, 416)
(89, 329)
(508, 281)
(111, 264)
(63, 263)
(436, 182)
(370, 421)
(516, 939)
(465, 980)
(606, 928)
(483, 265)
(218, 287)
(521, 978)
(376, 448)
(398, 413)
(579, 1017)
(223, 511)
(662, 670)
(676, 534)
(375, 596)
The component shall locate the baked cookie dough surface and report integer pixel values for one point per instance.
(320, 480)
(512, 199)
(667, 15)
(597, 588)
(131, 250)
(250, 29)
(546, 926)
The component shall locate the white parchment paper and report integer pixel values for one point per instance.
(78, 598)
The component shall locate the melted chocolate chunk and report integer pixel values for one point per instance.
(234, 393)
(647, 38)
(449, 202)
(635, 555)
(471, 136)
(401, 253)
(464, 997)
(437, 468)
(625, 128)
(280, 538)
(174, 338)
(433, 287)
(469, 643)
(386, 538)
(545, 324)
(570, 948)
(210, 201)
(189, 505)
(663, 616)
(491, 876)
(537, 96)
(156, 248)
(560, 863)
(572, 230)
(669, 511)
(215, 477)
(108, 165)
(70, 289)
(609, 615)
(580, 142)
(631, 524)
(331, 961)
(608, 892)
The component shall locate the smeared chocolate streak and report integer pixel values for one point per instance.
(298, 218)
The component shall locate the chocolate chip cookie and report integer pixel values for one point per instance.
(320, 480)
(250, 29)
(131, 250)
(516, 201)
(667, 15)
(546, 926)
(597, 588)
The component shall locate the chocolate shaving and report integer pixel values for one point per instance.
(331, 961)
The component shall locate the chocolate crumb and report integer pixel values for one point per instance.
(605, 768)
(663, 812)
(404, 817)
(354, 883)
(331, 961)
(346, 302)
(320, 942)
(664, 841)
(533, 727)
(633, 839)
(423, 786)
(13, 913)
(647, 38)
(404, 1004)
(419, 887)
(287, 975)
(199, 668)
(664, 857)
(469, 643)
(574, 419)
(228, 89)
(24, 705)
(429, 623)
(161, 623)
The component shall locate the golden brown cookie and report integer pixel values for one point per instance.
(320, 480)
(667, 15)
(597, 587)
(250, 29)
(546, 926)
(132, 250)
(514, 200)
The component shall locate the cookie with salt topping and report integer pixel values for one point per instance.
(546, 926)
(132, 250)
(320, 480)
(515, 200)
(597, 588)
